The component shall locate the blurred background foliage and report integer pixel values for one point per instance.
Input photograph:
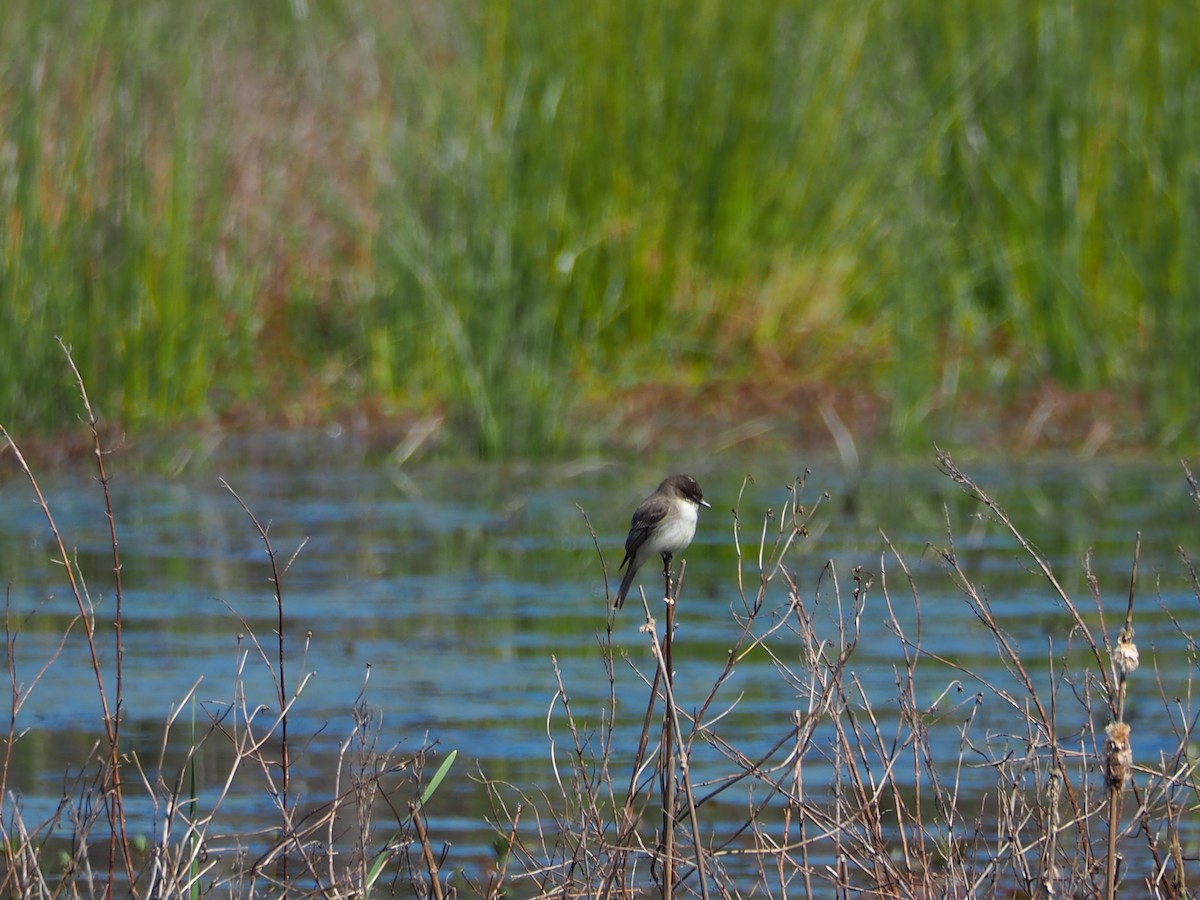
(517, 213)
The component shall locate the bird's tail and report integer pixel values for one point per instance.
(626, 582)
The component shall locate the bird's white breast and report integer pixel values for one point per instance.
(675, 532)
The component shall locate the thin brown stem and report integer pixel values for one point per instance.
(281, 678)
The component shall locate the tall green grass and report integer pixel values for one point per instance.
(508, 209)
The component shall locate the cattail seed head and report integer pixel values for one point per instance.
(1118, 755)
(1125, 654)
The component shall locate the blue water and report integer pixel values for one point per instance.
(440, 594)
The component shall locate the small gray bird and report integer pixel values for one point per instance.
(663, 525)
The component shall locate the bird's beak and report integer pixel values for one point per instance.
(706, 504)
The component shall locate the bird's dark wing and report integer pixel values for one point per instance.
(645, 519)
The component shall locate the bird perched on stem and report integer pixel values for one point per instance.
(664, 524)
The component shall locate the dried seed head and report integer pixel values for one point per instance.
(1118, 755)
(1125, 654)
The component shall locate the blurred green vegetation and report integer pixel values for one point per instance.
(512, 211)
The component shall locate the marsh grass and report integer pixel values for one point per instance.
(502, 209)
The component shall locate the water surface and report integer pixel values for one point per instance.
(438, 597)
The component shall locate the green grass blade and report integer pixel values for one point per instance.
(382, 857)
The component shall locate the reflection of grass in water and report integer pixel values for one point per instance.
(281, 211)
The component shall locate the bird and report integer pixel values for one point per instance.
(663, 524)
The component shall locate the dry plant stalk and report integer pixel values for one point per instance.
(329, 849)
(856, 797)
(113, 792)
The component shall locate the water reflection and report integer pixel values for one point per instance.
(441, 593)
